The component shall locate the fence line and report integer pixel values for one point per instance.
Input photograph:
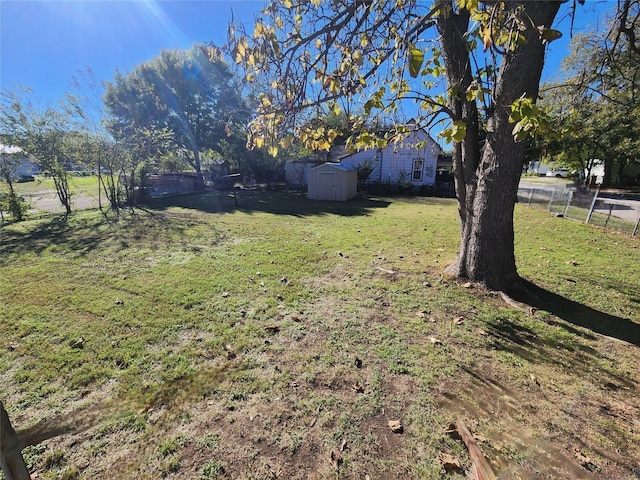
(586, 206)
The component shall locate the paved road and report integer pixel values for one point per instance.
(47, 201)
(625, 206)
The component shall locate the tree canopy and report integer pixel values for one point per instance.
(182, 93)
(597, 103)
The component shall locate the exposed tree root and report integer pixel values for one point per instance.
(529, 310)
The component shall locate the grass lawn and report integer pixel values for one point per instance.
(197, 340)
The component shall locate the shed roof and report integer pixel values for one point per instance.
(337, 166)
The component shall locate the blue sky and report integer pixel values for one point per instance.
(44, 43)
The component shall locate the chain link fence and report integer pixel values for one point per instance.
(610, 211)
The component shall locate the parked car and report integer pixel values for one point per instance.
(559, 172)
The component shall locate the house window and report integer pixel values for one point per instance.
(417, 169)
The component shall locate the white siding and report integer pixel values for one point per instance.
(394, 163)
(297, 173)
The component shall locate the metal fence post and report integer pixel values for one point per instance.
(566, 207)
(635, 229)
(551, 200)
(11, 459)
(609, 216)
(593, 204)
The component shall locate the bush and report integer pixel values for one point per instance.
(14, 204)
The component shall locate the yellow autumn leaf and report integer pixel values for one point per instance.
(272, 150)
(549, 35)
(357, 57)
(286, 141)
(242, 47)
(487, 41)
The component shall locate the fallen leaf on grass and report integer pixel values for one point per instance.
(395, 426)
(467, 285)
(336, 459)
(230, 353)
(458, 320)
(357, 388)
(450, 463)
(434, 340)
(421, 314)
(480, 331)
(13, 345)
(79, 343)
(272, 328)
(585, 461)
(225, 294)
(386, 270)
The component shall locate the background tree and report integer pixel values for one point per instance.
(10, 201)
(381, 53)
(42, 132)
(597, 102)
(179, 92)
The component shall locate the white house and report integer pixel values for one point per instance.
(401, 162)
(22, 164)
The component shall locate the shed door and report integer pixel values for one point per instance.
(327, 185)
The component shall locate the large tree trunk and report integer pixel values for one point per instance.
(487, 181)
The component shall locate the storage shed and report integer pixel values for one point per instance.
(332, 181)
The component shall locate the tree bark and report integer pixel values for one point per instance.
(11, 460)
(487, 179)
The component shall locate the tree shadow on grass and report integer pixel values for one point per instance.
(570, 354)
(581, 315)
(54, 230)
(277, 202)
(80, 236)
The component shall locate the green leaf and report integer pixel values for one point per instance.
(416, 57)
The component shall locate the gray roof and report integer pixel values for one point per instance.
(337, 166)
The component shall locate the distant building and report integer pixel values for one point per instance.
(297, 171)
(412, 160)
(24, 166)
